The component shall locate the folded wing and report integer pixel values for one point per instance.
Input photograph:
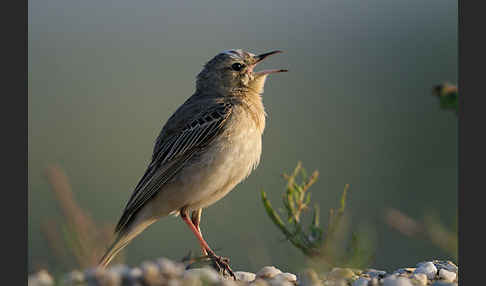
(171, 152)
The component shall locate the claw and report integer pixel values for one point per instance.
(222, 263)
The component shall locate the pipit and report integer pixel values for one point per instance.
(210, 144)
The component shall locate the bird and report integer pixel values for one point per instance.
(211, 143)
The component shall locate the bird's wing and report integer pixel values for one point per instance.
(171, 152)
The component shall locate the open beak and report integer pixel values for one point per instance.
(263, 56)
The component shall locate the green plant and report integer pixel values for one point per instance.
(448, 96)
(317, 243)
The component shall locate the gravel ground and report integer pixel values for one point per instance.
(166, 272)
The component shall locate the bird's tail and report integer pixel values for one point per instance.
(121, 240)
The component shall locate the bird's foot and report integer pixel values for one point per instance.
(221, 264)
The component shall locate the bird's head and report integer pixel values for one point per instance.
(233, 70)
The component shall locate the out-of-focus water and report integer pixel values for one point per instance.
(104, 76)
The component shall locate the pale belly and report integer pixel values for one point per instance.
(215, 172)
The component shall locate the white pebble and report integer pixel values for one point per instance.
(136, 273)
(259, 282)
(309, 278)
(421, 278)
(361, 282)
(191, 280)
(268, 272)
(279, 281)
(174, 282)
(205, 273)
(427, 268)
(287, 276)
(73, 278)
(245, 276)
(228, 282)
(170, 268)
(41, 278)
(396, 281)
(447, 275)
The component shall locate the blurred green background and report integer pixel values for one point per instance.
(104, 76)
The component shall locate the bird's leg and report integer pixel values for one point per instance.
(221, 262)
(196, 220)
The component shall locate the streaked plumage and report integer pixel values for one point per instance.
(210, 144)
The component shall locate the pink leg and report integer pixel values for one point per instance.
(196, 220)
(220, 262)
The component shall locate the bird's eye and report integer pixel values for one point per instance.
(237, 66)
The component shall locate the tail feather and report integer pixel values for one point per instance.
(122, 239)
(114, 249)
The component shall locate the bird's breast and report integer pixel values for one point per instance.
(228, 160)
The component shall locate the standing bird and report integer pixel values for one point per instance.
(209, 145)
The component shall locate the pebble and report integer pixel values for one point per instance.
(375, 273)
(427, 268)
(374, 282)
(362, 281)
(268, 272)
(245, 276)
(73, 278)
(279, 280)
(309, 278)
(41, 278)
(447, 265)
(205, 274)
(287, 277)
(170, 268)
(446, 275)
(151, 273)
(396, 281)
(166, 272)
(404, 271)
(420, 277)
(441, 283)
(259, 282)
(228, 282)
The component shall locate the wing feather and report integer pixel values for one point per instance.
(171, 152)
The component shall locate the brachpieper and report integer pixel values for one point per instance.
(210, 144)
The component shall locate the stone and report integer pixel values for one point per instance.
(309, 278)
(245, 276)
(374, 282)
(73, 278)
(287, 276)
(420, 278)
(136, 273)
(170, 268)
(446, 275)
(41, 278)
(110, 278)
(205, 274)
(404, 271)
(229, 282)
(174, 282)
(268, 272)
(447, 265)
(362, 281)
(375, 273)
(279, 280)
(151, 273)
(427, 268)
(259, 282)
(393, 280)
(442, 283)
(191, 280)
